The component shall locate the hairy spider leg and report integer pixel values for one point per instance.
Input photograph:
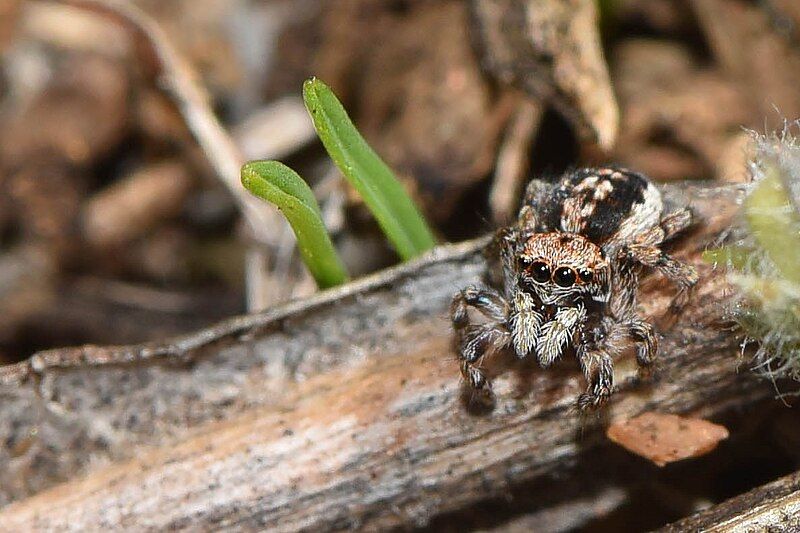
(646, 251)
(598, 369)
(476, 341)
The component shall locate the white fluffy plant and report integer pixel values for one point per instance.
(764, 263)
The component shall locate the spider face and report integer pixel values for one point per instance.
(569, 275)
(561, 267)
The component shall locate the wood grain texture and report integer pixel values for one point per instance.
(341, 411)
(772, 507)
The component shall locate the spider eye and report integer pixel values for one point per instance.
(540, 271)
(586, 275)
(564, 276)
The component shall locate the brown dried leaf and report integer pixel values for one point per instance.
(552, 49)
(666, 438)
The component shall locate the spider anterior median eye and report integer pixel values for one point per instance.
(541, 272)
(564, 276)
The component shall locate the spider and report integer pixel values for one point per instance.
(567, 273)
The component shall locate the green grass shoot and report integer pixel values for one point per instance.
(383, 194)
(280, 185)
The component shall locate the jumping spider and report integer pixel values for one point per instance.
(568, 275)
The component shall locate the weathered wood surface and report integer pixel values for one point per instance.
(772, 507)
(339, 411)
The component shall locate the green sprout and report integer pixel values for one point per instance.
(384, 195)
(382, 192)
(279, 184)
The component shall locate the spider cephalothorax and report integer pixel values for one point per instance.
(569, 274)
(560, 267)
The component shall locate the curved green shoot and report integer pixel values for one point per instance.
(280, 185)
(384, 195)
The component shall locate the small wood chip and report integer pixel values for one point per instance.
(665, 438)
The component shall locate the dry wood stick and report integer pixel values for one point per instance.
(771, 507)
(347, 411)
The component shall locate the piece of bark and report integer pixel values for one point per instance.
(552, 50)
(340, 411)
(239, 364)
(666, 438)
(772, 507)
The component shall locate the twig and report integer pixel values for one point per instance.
(512, 160)
(176, 77)
(552, 50)
(341, 411)
(276, 130)
(772, 507)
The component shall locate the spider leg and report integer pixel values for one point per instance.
(622, 300)
(598, 368)
(646, 341)
(597, 363)
(488, 301)
(669, 226)
(636, 330)
(524, 319)
(683, 275)
(538, 196)
(676, 222)
(537, 193)
(555, 335)
(646, 251)
(476, 341)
